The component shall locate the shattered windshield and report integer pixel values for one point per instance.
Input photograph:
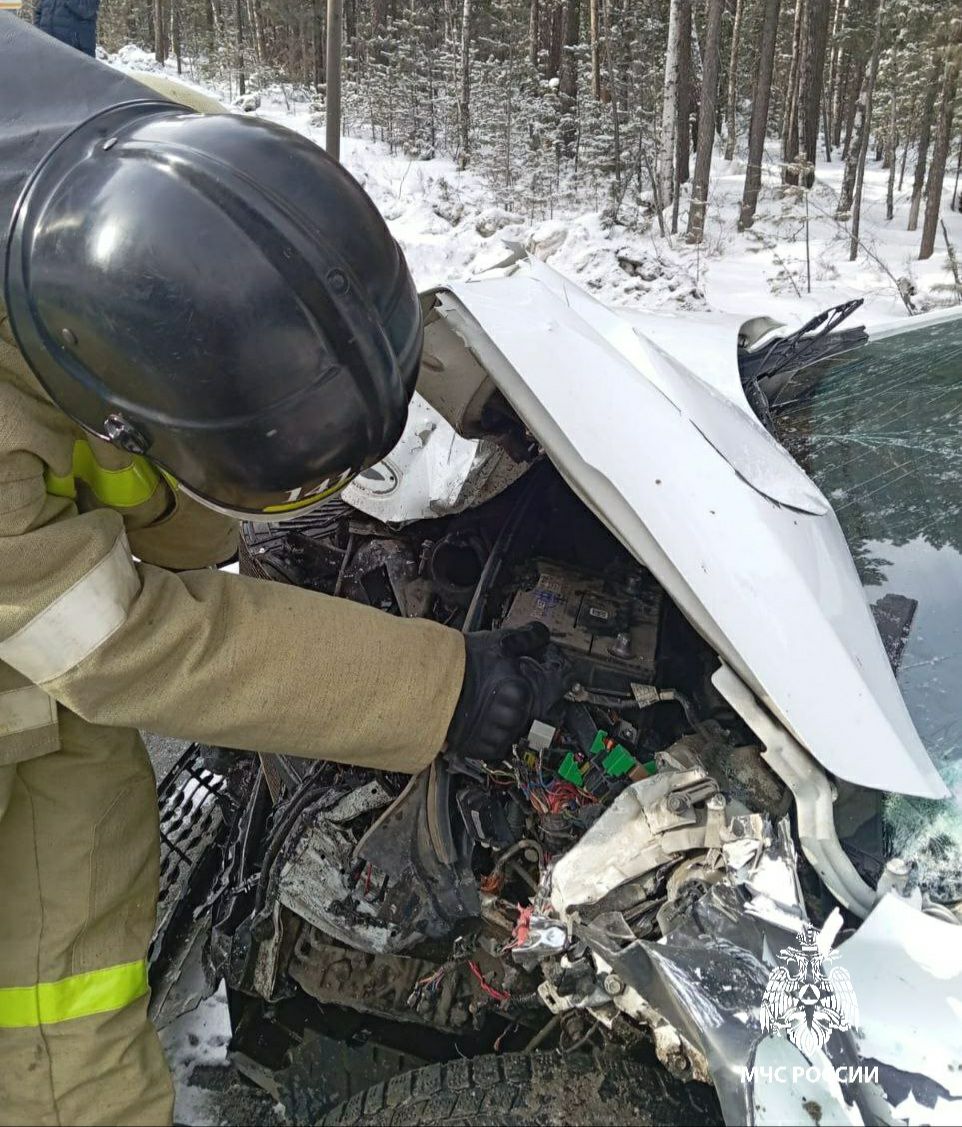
(879, 430)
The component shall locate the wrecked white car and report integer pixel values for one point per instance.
(722, 881)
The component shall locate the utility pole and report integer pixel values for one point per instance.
(335, 19)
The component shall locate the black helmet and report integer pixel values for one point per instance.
(215, 293)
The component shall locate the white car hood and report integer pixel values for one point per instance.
(679, 469)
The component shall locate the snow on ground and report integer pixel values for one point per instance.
(196, 1039)
(206, 1090)
(452, 225)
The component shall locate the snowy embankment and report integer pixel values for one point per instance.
(452, 226)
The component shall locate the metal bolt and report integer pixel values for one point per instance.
(124, 434)
(898, 867)
(69, 336)
(338, 282)
(613, 985)
(675, 803)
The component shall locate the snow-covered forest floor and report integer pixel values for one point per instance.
(452, 225)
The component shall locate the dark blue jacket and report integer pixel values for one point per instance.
(73, 22)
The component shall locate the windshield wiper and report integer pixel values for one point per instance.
(805, 346)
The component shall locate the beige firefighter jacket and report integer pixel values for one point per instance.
(201, 654)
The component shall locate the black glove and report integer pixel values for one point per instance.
(511, 677)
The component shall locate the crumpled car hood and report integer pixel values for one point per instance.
(675, 464)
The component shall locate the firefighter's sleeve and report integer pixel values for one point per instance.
(205, 655)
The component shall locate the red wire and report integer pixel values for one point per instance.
(498, 995)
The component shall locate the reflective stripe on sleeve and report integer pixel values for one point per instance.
(24, 709)
(77, 622)
(123, 488)
(80, 995)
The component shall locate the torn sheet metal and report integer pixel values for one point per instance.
(681, 505)
(813, 794)
(432, 472)
(695, 364)
(893, 1051)
(906, 970)
(653, 822)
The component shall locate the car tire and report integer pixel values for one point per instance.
(513, 1089)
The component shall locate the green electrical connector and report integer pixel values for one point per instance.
(618, 762)
(570, 771)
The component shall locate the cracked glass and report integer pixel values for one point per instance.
(879, 430)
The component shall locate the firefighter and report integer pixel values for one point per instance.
(206, 319)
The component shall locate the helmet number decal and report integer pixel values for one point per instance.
(303, 496)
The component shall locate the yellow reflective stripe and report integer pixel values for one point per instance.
(311, 499)
(125, 488)
(169, 478)
(59, 486)
(80, 995)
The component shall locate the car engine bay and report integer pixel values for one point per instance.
(451, 901)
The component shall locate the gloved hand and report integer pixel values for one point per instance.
(511, 677)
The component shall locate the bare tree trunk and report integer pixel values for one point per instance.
(682, 121)
(595, 48)
(257, 24)
(811, 80)
(758, 125)
(669, 105)
(568, 75)
(863, 147)
(841, 89)
(239, 47)
(925, 136)
(332, 76)
(849, 81)
(940, 147)
(790, 120)
(319, 23)
(733, 80)
(855, 89)
(711, 64)
(905, 145)
(379, 12)
(832, 77)
(534, 32)
(892, 140)
(464, 101)
(160, 31)
(605, 14)
(175, 33)
(556, 33)
(851, 163)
